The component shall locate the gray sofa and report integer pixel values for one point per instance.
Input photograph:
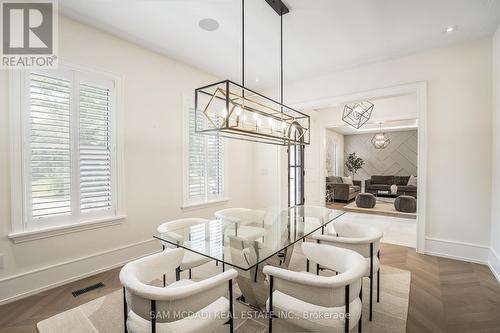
(343, 192)
(383, 183)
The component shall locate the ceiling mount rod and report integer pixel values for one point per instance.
(243, 42)
(281, 59)
(279, 7)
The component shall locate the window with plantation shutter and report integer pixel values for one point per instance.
(95, 148)
(67, 147)
(205, 164)
(50, 155)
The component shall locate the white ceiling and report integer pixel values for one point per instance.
(320, 35)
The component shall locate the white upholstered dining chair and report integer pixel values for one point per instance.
(319, 303)
(247, 223)
(360, 238)
(183, 306)
(315, 216)
(190, 259)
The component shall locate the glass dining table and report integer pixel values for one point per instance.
(249, 245)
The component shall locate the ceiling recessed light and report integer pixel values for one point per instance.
(450, 29)
(209, 24)
(257, 80)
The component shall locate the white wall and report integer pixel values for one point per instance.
(153, 94)
(459, 135)
(495, 188)
(266, 176)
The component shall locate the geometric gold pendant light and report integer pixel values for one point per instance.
(228, 109)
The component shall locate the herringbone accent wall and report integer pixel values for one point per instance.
(399, 158)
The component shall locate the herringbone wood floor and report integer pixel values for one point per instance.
(445, 296)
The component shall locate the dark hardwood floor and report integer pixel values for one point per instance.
(445, 296)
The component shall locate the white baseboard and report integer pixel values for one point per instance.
(29, 283)
(457, 250)
(494, 264)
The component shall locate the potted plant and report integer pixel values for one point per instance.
(354, 163)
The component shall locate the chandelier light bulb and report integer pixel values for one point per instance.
(237, 110)
(224, 113)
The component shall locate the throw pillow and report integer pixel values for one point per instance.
(347, 180)
(412, 181)
(401, 180)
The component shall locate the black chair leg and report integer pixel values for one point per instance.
(190, 274)
(378, 278)
(153, 316)
(177, 274)
(231, 310)
(378, 286)
(164, 280)
(347, 301)
(125, 312)
(307, 265)
(317, 269)
(371, 281)
(270, 314)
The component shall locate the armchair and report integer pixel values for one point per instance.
(336, 299)
(190, 259)
(364, 240)
(247, 223)
(343, 192)
(183, 306)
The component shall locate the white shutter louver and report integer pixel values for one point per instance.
(196, 160)
(214, 165)
(95, 148)
(49, 113)
(205, 163)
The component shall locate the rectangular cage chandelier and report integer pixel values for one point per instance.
(231, 110)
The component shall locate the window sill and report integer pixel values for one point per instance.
(193, 206)
(27, 236)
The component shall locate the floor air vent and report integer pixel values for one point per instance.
(78, 292)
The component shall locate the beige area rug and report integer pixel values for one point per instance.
(384, 206)
(105, 314)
